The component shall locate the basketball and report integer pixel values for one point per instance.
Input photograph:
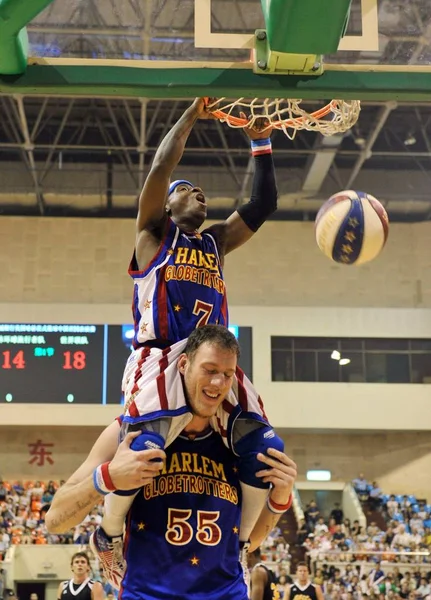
(351, 228)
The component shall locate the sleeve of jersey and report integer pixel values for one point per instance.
(263, 200)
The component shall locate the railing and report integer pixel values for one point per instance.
(387, 558)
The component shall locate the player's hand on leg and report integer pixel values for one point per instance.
(282, 473)
(130, 469)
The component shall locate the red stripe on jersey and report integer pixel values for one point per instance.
(242, 393)
(161, 382)
(162, 305)
(161, 389)
(227, 406)
(132, 409)
(223, 309)
(262, 408)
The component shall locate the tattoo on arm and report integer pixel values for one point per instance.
(80, 505)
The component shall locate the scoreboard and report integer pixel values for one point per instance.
(65, 363)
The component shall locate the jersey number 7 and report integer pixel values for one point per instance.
(205, 309)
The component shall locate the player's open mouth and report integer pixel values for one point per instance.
(201, 199)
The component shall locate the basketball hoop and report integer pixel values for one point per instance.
(286, 114)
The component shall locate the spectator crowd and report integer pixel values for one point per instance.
(404, 534)
(22, 510)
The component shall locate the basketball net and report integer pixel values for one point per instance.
(286, 114)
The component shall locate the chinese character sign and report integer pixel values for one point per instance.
(40, 454)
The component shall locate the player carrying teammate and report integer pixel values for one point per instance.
(182, 529)
(178, 286)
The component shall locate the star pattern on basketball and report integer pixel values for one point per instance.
(194, 561)
(353, 222)
(350, 236)
(177, 308)
(147, 304)
(144, 327)
(235, 529)
(141, 526)
(347, 249)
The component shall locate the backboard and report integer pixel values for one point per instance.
(202, 47)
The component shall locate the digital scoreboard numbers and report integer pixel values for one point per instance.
(51, 363)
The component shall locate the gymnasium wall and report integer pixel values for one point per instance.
(400, 462)
(85, 261)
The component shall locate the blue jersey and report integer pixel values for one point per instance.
(180, 289)
(182, 538)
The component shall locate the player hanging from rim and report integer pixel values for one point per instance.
(178, 286)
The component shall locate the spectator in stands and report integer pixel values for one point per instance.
(422, 512)
(302, 532)
(361, 487)
(402, 539)
(392, 506)
(345, 528)
(423, 590)
(375, 576)
(320, 527)
(372, 529)
(388, 536)
(338, 537)
(337, 514)
(404, 591)
(417, 523)
(312, 514)
(3, 491)
(356, 528)
(375, 496)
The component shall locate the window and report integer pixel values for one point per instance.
(351, 360)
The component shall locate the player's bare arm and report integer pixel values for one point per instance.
(128, 470)
(245, 221)
(259, 578)
(286, 595)
(281, 473)
(97, 592)
(319, 592)
(60, 590)
(151, 213)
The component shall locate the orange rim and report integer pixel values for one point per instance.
(239, 122)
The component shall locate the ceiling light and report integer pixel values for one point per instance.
(319, 475)
(335, 355)
(410, 140)
(344, 361)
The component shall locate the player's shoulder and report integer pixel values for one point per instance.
(218, 233)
